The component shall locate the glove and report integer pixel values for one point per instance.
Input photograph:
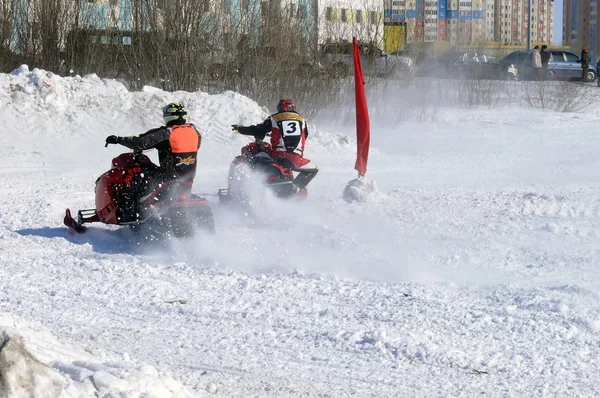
(235, 127)
(112, 139)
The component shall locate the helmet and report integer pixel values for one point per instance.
(286, 105)
(173, 113)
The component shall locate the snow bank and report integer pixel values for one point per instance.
(82, 111)
(21, 374)
(35, 363)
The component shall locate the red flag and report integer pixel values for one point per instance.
(363, 125)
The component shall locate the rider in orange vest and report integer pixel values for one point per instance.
(177, 143)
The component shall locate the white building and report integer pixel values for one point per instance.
(512, 18)
(340, 20)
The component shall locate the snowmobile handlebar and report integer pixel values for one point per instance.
(137, 153)
(259, 141)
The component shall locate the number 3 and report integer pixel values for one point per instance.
(291, 128)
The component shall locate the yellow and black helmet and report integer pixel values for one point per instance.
(174, 113)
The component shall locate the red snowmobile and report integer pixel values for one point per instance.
(276, 174)
(168, 208)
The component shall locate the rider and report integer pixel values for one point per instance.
(177, 143)
(288, 134)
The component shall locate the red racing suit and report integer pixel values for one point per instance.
(288, 135)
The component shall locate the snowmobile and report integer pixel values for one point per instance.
(276, 174)
(167, 208)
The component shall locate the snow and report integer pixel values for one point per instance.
(35, 363)
(471, 268)
(360, 189)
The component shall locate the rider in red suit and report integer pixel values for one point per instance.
(288, 134)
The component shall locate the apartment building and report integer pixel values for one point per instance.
(24, 22)
(222, 20)
(439, 20)
(489, 21)
(340, 20)
(511, 20)
(473, 21)
(103, 14)
(580, 25)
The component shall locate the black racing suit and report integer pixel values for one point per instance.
(177, 147)
(161, 139)
(259, 131)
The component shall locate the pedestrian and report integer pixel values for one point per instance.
(537, 63)
(545, 56)
(585, 64)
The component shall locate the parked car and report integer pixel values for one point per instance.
(563, 65)
(458, 64)
(338, 59)
(268, 60)
(479, 66)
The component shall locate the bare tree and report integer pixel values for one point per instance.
(264, 49)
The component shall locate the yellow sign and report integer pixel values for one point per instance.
(393, 38)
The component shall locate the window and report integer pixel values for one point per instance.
(328, 13)
(344, 15)
(359, 16)
(571, 57)
(373, 18)
(511, 57)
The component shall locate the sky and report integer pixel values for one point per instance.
(558, 18)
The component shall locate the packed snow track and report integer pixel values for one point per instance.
(472, 269)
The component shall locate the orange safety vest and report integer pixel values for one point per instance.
(185, 141)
